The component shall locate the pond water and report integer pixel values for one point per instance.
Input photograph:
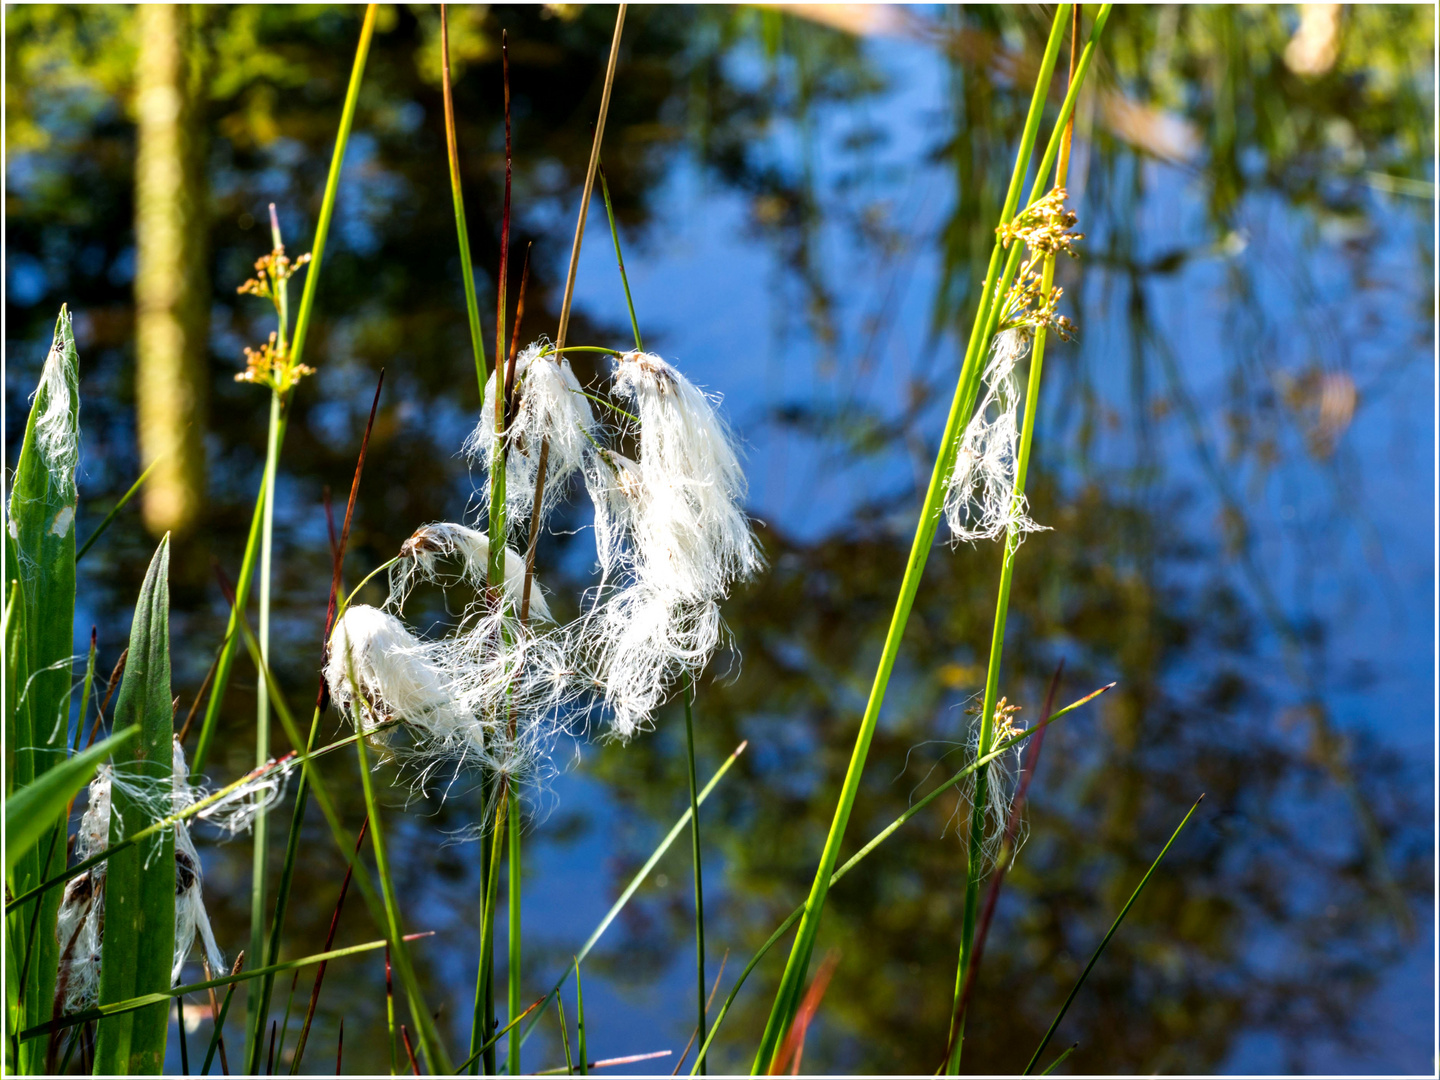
(1235, 460)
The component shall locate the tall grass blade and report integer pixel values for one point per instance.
(297, 349)
(580, 1021)
(434, 1052)
(1108, 935)
(512, 955)
(302, 791)
(696, 861)
(787, 996)
(40, 545)
(467, 266)
(140, 881)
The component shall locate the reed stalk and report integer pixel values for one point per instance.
(792, 982)
(976, 868)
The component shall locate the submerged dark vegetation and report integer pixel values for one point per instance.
(979, 478)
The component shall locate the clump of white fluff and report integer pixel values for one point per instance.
(672, 525)
(485, 696)
(80, 928)
(57, 435)
(551, 409)
(190, 915)
(980, 498)
(372, 654)
(687, 521)
(471, 549)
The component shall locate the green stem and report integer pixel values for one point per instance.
(297, 348)
(467, 268)
(695, 856)
(786, 1001)
(620, 259)
(481, 1036)
(395, 935)
(260, 830)
(512, 959)
(105, 521)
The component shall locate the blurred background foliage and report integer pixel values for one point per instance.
(1255, 185)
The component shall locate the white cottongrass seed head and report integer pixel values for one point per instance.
(470, 549)
(980, 498)
(551, 410)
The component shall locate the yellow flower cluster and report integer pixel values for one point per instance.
(1045, 227)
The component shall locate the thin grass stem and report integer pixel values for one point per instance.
(452, 153)
(695, 859)
(619, 258)
(1106, 939)
(976, 868)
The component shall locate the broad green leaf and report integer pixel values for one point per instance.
(31, 810)
(41, 545)
(139, 940)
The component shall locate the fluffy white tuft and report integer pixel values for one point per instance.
(550, 408)
(471, 549)
(980, 498)
(57, 434)
(670, 527)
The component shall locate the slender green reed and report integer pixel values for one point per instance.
(484, 1010)
(1059, 1058)
(878, 839)
(792, 982)
(565, 1036)
(1106, 940)
(1058, 147)
(297, 349)
(143, 1001)
(481, 1035)
(457, 195)
(580, 1021)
